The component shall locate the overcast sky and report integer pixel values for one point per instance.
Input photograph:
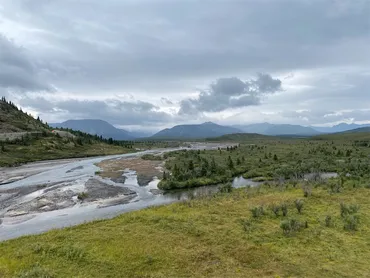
(151, 64)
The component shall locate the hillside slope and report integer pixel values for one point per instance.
(13, 119)
(205, 130)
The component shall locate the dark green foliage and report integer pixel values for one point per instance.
(191, 165)
(291, 225)
(299, 205)
(348, 209)
(350, 217)
(307, 189)
(275, 209)
(284, 209)
(257, 212)
(230, 163)
(351, 222)
(328, 221)
(82, 196)
(152, 157)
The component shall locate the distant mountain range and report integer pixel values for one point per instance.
(204, 130)
(101, 128)
(277, 129)
(358, 130)
(339, 128)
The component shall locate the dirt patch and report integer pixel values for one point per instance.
(146, 169)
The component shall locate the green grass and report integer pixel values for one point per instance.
(52, 147)
(208, 237)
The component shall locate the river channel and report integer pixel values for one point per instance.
(41, 196)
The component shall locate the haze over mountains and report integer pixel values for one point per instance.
(101, 128)
(203, 130)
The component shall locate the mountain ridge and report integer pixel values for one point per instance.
(204, 130)
(277, 129)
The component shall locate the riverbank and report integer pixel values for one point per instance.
(214, 236)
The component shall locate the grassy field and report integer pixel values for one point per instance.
(214, 236)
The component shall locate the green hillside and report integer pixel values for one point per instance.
(13, 119)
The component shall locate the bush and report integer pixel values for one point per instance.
(275, 209)
(335, 188)
(299, 205)
(292, 225)
(351, 222)
(307, 190)
(284, 209)
(348, 209)
(257, 212)
(151, 157)
(328, 221)
(82, 196)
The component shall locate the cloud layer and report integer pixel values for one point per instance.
(164, 62)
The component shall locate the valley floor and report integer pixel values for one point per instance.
(213, 236)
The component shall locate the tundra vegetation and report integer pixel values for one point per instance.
(292, 225)
(277, 160)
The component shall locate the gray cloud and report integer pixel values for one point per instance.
(16, 69)
(112, 110)
(178, 40)
(164, 49)
(231, 92)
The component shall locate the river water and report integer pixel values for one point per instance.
(72, 175)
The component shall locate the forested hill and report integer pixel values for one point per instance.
(13, 119)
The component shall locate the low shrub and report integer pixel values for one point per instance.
(328, 221)
(275, 209)
(299, 205)
(258, 212)
(82, 196)
(348, 209)
(351, 222)
(291, 225)
(284, 209)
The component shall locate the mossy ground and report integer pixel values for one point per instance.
(205, 237)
